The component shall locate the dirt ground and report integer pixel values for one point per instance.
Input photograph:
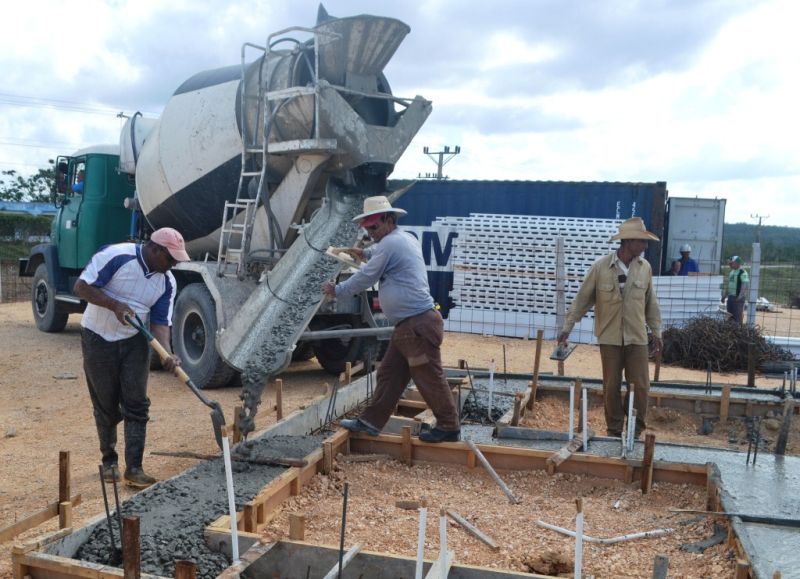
(374, 521)
(45, 408)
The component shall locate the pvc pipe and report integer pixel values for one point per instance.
(611, 540)
(336, 570)
(226, 452)
(571, 410)
(578, 545)
(423, 520)
(443, 543)
(629, 443)
(585, 425)
(492, 472)
(491, 387)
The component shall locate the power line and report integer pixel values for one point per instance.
(57, 104)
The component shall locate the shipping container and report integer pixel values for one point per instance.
(430, 200)
(698, 223)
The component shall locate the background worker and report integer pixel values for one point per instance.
(620, 287)
(736, 289)
(414, 349)
(688, 265)
(77, 187)
(123, 280)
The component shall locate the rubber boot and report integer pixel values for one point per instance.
(107, 435)
(135, 435)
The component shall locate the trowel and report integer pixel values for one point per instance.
(562, 351)
(217, 417)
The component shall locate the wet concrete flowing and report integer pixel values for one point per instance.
(277, 339)
(174, 513)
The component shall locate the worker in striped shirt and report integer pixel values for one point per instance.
(125, 280)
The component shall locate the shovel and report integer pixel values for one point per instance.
(217, 418)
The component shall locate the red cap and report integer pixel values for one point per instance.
(173, 241)
(371, 219)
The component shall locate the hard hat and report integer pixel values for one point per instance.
(686, 248)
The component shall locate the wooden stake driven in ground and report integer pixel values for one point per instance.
(131, 555)
(647, 462)
(536, 361)
(492, 472)
(783, 435)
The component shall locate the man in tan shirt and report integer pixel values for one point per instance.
(620, 287)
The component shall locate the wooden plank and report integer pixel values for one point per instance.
(327, 457)
(725, 404)
(742, 569)
(517, 409)
(45, 564)
(31, 521)
(250, 518)
(406, 451)
(536, 362)
(185, 569)
(64, 483)
(65, 515)
(131, 548)
(647, 462)
(558, 457)
(411, 505)
(657, 370)
(297, 527)
(660, 567)
(474, 531)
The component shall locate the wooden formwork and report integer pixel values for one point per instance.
(29, 561)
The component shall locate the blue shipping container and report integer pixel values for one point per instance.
(430, 200)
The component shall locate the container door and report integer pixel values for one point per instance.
(699, 223)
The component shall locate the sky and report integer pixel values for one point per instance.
(701, 94)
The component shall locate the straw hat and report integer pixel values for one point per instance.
(633, 228)
(377, 205)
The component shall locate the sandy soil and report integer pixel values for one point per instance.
(45, 408)
(374, 521)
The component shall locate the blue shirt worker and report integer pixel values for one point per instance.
(688, 265)
(121, 281)
(77, 187)
(395, 260)
(736, 289)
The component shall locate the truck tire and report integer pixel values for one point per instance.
(194, 326)
(334, 354)
(46, 313)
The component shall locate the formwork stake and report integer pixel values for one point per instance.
(584, 419)
(571, 432)
(491, 387)
(344, 525)
(578, 539)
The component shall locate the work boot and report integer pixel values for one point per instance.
(437, 435)
(136, 477)
(358, 425)
(111, 473)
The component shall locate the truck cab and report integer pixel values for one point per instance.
(90, 196)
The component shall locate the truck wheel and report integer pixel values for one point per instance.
(334, 354)
(46, 312)
(194, 326)
(302, 352)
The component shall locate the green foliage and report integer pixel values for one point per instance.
(778, 244)
(20, 232)
(36, 187)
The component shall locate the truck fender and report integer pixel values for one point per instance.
(46, 253)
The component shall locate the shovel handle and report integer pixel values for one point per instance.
(163, 354)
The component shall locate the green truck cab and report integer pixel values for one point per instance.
(90, 194)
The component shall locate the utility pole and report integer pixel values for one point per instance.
(441, 158)
(758, 227)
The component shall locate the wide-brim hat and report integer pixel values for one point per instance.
(377, 205)
(633, 228)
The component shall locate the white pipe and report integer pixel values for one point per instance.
(443, 544)
(578, 546)
(571, 411)
(491, 387)
(226, 452)
(632, 432)
(423, 520)
(629, 443)
(492, 472)
(609, 541)
(585, 425)
(346, 559)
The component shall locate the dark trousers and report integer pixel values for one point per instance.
(735, 308)
(414, 352)
(634, 360)
(116, 373)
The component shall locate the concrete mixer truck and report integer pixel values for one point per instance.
(261, 166)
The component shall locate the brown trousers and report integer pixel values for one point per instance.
(414, 352)
(634, 360)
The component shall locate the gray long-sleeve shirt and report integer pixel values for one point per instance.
(396, 261)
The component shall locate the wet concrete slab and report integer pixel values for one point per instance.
(768, 488)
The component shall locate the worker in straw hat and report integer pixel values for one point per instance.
(395, 259)
(620, 287)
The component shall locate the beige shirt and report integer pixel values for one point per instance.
(620, 317)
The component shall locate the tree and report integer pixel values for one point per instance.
(36, 187)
